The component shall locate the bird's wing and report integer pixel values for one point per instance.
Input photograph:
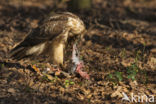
(48, 30)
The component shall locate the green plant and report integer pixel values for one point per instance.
(116, 77)
(68, 82)
(132, 71)
(119, 76)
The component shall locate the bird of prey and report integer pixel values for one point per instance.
(50, 37)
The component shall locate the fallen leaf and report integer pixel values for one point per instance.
(36, 69)
(11, 90)
(57, 73)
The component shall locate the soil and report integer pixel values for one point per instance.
(119, 53)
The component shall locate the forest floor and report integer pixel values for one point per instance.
(119, 53)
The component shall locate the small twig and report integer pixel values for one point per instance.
(65, 74)
(100, 25)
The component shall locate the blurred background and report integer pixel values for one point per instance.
(119, 52)
(103, 11)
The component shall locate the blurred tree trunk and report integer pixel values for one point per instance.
(79, 5)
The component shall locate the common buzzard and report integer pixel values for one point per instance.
(50, 37)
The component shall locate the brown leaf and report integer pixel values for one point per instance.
(57, 73)
(36, 69)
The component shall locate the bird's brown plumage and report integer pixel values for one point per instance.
(50, 37)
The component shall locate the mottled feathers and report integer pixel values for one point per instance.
(50, 37)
